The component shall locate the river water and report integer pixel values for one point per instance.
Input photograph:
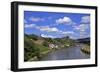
(66, 54)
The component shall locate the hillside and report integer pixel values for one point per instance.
(33, 48)
(36, 46)
(84, 40)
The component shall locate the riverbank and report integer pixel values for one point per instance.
(35, 46)
(69, 53)
(72, 52)
(43, 53)
(86, 49)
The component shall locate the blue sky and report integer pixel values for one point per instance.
(57, 24)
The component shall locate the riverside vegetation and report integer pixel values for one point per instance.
(36, 47)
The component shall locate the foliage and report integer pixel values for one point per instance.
(30, 50)
(45, 43)
(34, 49)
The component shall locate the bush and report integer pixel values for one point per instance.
(30, 49)
(45, 44)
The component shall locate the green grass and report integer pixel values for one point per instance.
(41, 48)
(32, 50)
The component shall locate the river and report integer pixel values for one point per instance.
(66, 54)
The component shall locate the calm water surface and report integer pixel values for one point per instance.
(66, 53)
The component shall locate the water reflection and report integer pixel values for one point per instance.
(66, 53)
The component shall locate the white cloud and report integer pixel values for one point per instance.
(42, 28)
(36, 19)
(64, 20)
(29, 25)
(48, 29)
(47, 36)
(67, 32)
(81, 27)
(85, 19)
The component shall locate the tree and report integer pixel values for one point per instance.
(67, 37)
(45, 44)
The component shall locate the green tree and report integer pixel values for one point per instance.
(45, 44)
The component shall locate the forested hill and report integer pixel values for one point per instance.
(84, 40)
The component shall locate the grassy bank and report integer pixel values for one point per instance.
(86, 49)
